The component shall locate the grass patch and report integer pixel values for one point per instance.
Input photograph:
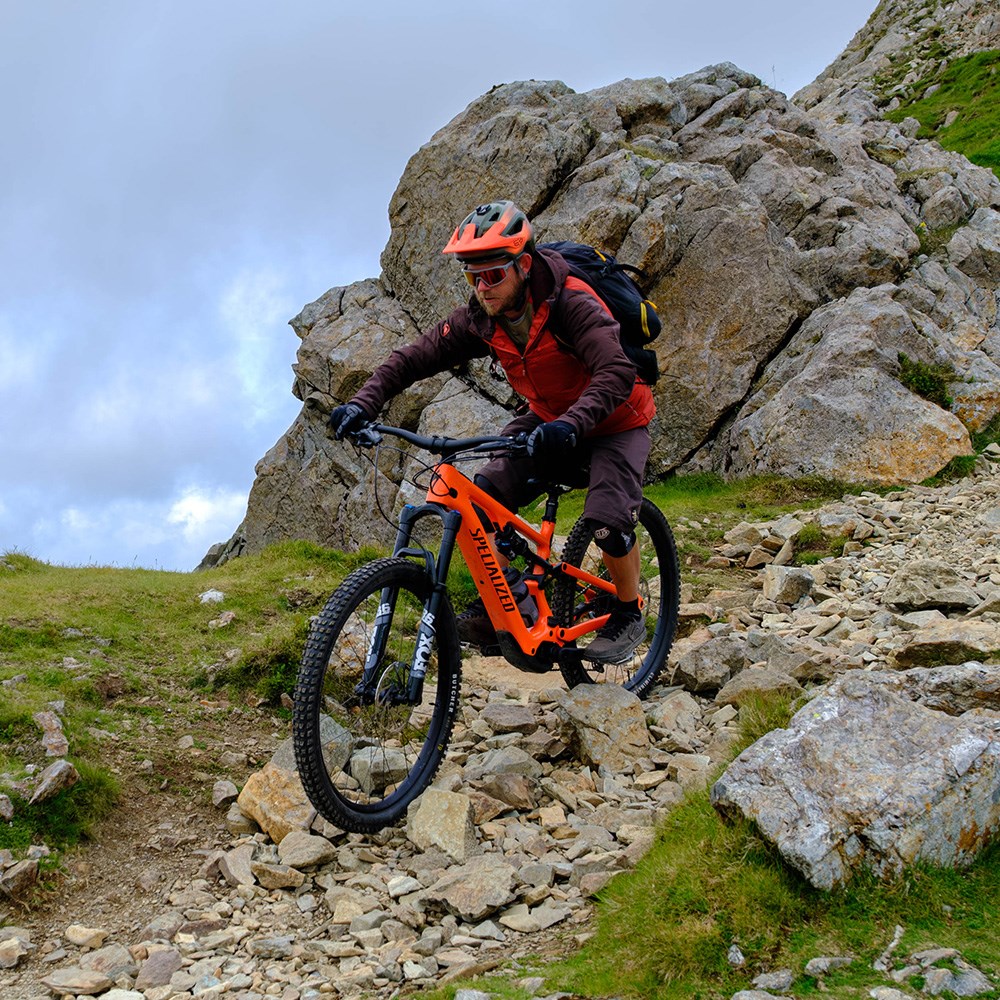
(15, 723)
(759, 714)
(123, 647)
(934, 242)
(757, 497)
(958, 468)
(964, 465)
(970, 85)
(270, 665)
(664, 930)
(990, 434)
(65, 819)
(153, 622)
(928, 381)
(706, 494)
(813, 544)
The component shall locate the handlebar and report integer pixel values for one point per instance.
(370, 435)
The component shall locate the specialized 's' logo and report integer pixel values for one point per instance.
(493, 570)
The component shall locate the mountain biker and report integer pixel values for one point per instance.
(585, 404)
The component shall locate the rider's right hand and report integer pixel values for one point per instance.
(345, 418)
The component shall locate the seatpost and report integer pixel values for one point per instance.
(552, 505)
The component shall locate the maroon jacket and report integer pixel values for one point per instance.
(573, 367)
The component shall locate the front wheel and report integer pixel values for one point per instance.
(365, 744)
(659, 588)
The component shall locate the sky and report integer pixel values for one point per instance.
(179, 177)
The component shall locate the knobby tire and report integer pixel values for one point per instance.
(659, 586)
(363, 761)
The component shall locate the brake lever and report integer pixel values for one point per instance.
(510, 446)
(519, 444)
(366, 437)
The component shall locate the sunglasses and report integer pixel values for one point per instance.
(489, 276)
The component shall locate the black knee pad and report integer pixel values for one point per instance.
(614, 541)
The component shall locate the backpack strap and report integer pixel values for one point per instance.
(574, 284)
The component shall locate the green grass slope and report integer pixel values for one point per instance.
(969, 87)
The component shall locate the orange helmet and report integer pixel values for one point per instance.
(497, 230)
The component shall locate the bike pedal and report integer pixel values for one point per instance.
(599, 665)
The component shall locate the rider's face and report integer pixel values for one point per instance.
(506, 295)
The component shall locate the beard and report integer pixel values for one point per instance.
(510, 300)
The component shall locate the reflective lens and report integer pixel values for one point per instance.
(489, 276)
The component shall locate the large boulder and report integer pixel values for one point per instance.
(865, 778)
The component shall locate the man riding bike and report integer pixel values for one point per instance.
(559, 347)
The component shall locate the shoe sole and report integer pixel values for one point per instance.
(608, 660)
(612, 658)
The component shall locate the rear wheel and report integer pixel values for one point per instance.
(363, 750)
(659, 588)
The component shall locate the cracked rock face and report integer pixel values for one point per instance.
(779, 244)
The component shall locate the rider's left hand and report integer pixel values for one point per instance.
(552, 439)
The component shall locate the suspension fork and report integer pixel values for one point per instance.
(437, 569)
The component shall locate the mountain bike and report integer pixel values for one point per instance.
(378, 688)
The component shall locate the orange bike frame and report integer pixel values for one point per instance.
(451, 489)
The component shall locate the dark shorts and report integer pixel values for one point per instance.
(611, 469)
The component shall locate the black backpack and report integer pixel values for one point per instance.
(636, 315)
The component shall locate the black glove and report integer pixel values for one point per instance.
(346, 418)
(550, 440)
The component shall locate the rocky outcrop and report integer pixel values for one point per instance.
(782, 249)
